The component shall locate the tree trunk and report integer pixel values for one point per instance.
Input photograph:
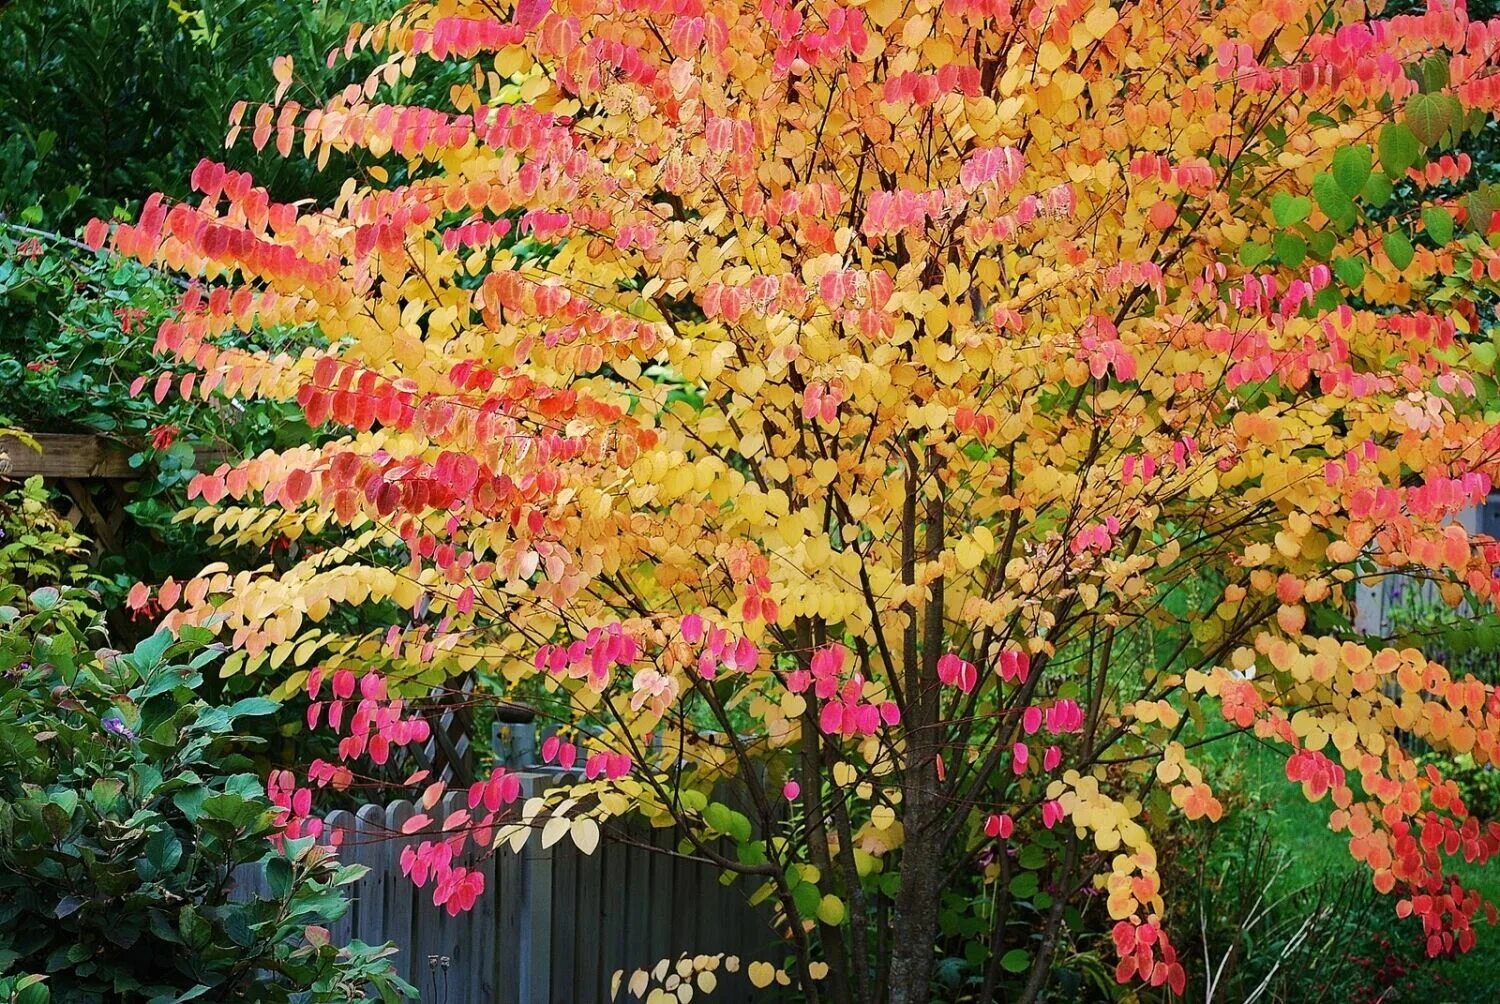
(914, 923)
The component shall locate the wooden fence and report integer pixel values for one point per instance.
(554, 925)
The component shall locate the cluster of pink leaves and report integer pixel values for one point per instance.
(1147, 952)
(596, 764)
(590, 658)
(378, 724)
(1147, 465)
(1099, 345)
(846, 711)
(457, 887)
(1060, 718)
(1316, 772)
(718, 647)
(1013, 667)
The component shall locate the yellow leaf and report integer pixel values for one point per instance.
(762, 974)
(585, 833)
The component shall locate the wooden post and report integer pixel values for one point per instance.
(535, 970)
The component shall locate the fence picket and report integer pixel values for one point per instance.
(565, 943)
(589, 981)
(400, 894)
(342, 823)
(536, 965)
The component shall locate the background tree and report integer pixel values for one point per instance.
(845, 405)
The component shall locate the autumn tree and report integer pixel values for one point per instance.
(930, 423)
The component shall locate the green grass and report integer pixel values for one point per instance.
(1315, 851)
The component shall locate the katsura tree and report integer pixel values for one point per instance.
(891, 435)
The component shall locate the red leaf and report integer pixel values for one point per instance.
(298, 484)
(95, 234)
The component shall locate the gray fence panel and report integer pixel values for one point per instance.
(554, 925)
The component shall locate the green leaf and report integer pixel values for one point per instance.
(189, 802)
(1333, 198)
(163, 851)
(193, 994)
(1288, 209)
(1479, 208)
(46, 598)
(1252, 254)
(1032, 857)
(1378, 190)
(1290, 249)
(253, 707)
(1320, 244)
(1397, 248)
(34, 993)
(1351, 168)
(1431, 74)
(105, 792)
(148, 654)
(279, 876)
(1024, 885)
(196, 932)
(1428, 116)
(1399, 150)
(1017, 960)
(67, 906)
(231, 809)
(1351, 271)
(717, 816)
(807, 899)
(1439, 224)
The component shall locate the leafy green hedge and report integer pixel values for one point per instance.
(127, 803)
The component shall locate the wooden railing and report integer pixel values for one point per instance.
(91, 470)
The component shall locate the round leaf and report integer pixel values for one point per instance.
(1397, 248)
(1428, 116)
(1439, 224)
(1399, 149)
(1351, 168)
(1288, 209)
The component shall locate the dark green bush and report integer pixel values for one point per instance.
(127, 803)
(113, 99)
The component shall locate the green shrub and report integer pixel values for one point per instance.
(126, 805)
(75, 329)
(36, 546)
(109, 99)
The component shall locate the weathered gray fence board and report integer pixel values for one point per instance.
(535, 975)
(565, 920)
(341, 823)
(400, 894)
(590, 982)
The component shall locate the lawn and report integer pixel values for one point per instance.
(1301, 827)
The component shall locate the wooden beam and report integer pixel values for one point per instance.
(66, 455)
